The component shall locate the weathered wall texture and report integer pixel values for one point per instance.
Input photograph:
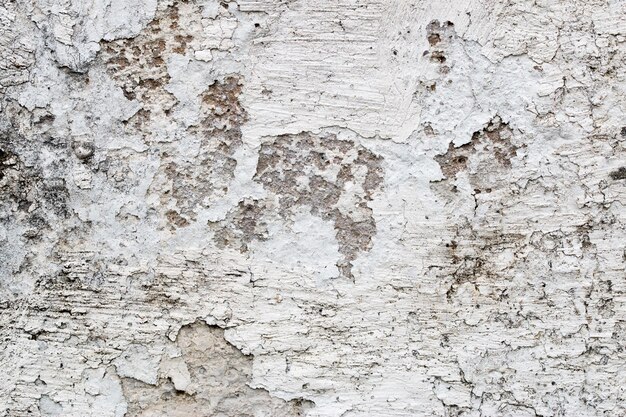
(313, 208)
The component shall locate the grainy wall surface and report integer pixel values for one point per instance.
(315, 208)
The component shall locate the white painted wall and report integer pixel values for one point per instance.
(322, 208)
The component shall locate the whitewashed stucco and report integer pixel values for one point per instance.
(312, 207)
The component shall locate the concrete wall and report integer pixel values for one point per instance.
(313, 208)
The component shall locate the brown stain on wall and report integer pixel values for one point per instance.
(491, 144)
(188, 185)
(139, 65)
(298, 169)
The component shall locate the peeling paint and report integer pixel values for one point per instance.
(317, 208)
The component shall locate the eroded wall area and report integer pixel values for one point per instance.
(312, 208)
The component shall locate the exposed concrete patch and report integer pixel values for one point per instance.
(335, 179)
(206, 375)
(489, 146)
(74, 40)
(439, 35)
(190, 186)
(139, 66)
(243, 225)
(32, 200)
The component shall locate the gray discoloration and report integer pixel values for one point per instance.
(16, 47)
(618, 174)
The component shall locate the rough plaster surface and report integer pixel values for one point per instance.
(313, 208)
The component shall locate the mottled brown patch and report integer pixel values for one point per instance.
(138, 65)
(176, 219)
(242, 226)
(299, 170)
(493, 142)
(190, 185)
(438, 34)
(221, 106)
